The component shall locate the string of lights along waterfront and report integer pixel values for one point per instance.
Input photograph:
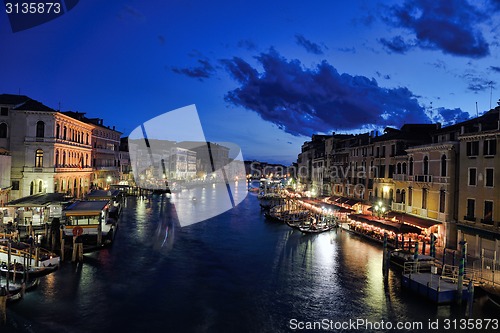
(236, 272)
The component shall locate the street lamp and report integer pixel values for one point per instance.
(380, 209)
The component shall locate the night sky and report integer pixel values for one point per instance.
(262, 74)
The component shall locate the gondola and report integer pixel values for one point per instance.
(31, 272)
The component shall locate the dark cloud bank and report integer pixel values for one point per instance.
(204, 70)
(450, 26)
(304, 101)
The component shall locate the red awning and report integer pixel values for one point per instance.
(413, 220)
(397, 227)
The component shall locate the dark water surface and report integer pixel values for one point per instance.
(233, 273)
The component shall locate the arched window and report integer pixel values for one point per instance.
(39, 158)
(398, 168)
(404, 168)
(40, 186)
(443, 166)
(403, 196)
(57, 158)
(64, 159)
(87, 141)
(40, 129)
(3, 130)
(32, 188)
(65, 132)
(411, 166)
(426, 165)
(58, 130)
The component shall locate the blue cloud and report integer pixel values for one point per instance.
(203, 71)
(449, 26)
(303, 101)
(310, 47)
(396, 45)
(247, 44)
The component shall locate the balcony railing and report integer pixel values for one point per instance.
(30, 139)
(37, 170)
(423, 178)
(487, 221)
(105, 151)
(66, 168)
(72, 168)
(107, 168)
(469, 218)
(400, 177)
(398, 206)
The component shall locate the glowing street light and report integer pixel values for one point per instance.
(380, 209)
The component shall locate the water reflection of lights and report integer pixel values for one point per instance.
(316, 254)
(50, 286)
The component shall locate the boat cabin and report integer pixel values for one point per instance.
(91, 216)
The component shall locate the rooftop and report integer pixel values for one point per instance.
(38, 200)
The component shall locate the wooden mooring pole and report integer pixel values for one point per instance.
(461, 271)
(3, 306)
(61, 239)
(385, 259)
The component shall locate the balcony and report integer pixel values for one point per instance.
(400, 177)
(37, 170)
(441, 180)
(31, 139)
(423, 178)
(106, 168)
(469, 218)
(487, 221)
(398, 206)
(104, 151)
(72, 168)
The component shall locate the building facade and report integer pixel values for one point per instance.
(479, 184)
(50, 151)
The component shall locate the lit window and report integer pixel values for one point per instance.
(39, 158)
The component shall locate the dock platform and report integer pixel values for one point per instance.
(436, 288)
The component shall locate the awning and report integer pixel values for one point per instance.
(385, 224)
(344, 201)
(413, 220)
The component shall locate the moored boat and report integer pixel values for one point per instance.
(399, 257)
(315, 229)
(18, 269)
(24, 253)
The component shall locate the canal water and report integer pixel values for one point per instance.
(236, 272)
